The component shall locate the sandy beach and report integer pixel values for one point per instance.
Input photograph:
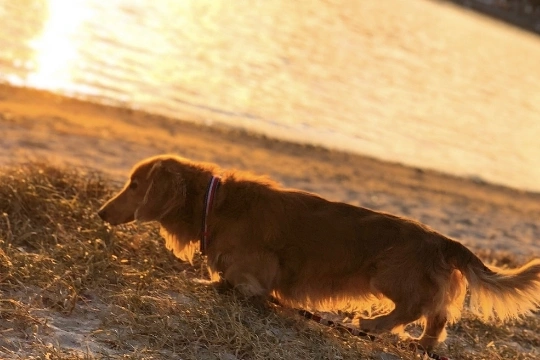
(498, 223)
(40, 125)
(405, 40)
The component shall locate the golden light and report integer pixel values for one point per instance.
(55, 50)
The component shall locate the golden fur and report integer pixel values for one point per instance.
(310, 252)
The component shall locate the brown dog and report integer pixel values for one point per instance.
(307, 251)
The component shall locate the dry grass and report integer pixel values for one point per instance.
(73, 288)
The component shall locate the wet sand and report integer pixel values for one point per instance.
(488, 218)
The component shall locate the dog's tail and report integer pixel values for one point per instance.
(497, 293)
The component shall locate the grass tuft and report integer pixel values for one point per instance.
(71, 287)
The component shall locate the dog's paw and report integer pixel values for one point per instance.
(259, 304)
(221, 286)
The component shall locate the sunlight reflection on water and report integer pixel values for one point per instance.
(54, 49)
(413, 82)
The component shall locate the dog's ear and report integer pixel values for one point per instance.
(166, 190)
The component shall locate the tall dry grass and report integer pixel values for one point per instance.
(73, 288)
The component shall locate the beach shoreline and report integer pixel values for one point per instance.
(39, 125)
(497, 223)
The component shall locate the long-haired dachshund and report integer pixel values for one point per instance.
(310, 252)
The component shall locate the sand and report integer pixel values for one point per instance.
(36, 124)
(39, 125)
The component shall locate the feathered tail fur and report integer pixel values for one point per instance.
(498, 293)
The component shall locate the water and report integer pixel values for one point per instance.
(416, 82)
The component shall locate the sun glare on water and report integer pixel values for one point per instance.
(55, 51)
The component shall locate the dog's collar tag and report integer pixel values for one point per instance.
(208, 202)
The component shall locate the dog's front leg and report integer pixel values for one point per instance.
(252, 274)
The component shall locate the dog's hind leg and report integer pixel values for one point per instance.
(411, 296)
(393, 321)
(446, 306)
(434, 331)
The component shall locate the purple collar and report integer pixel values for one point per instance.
(213, 185)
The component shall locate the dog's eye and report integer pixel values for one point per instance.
(133, 185)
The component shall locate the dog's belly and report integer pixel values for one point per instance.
(322, 290)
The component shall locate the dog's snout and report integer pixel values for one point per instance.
(112, 215)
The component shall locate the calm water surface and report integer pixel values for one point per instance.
(411, 81)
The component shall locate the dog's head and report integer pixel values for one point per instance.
(156, 186)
